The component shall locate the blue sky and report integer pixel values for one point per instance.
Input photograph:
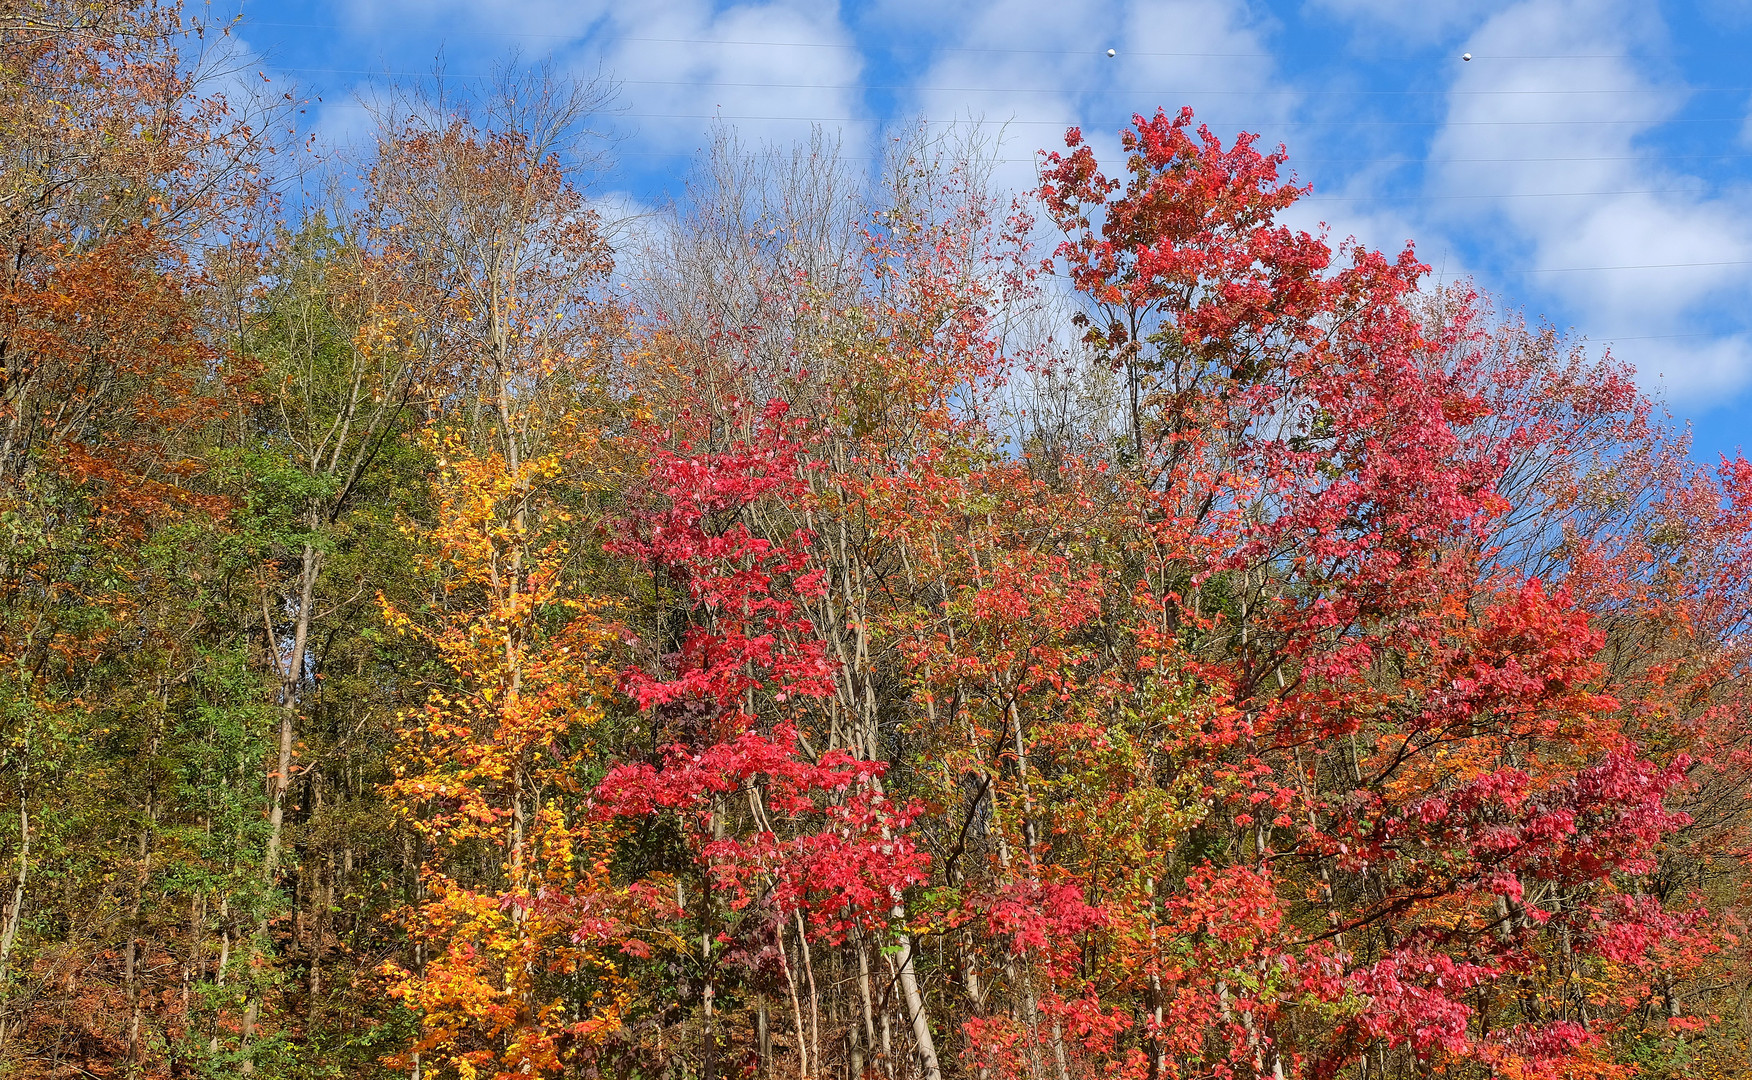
(1591, 165)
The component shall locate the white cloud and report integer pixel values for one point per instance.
(1533, 126)
(1037, 67)
(1214, 56)
(1420, 21)
(346, 122)
(1016, 67)
(767, 67)
(625, 218)
(770, 69)
(1681, 370)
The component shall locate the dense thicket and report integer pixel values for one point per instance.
(434, 642)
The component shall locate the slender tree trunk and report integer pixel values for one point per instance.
(224, 962)
(915, 1008)
(15, 904)
(763, 1038)
(290, 676)
(814, 994)
(136, 1051)
(131, 957)
(14, 907)
(864, 991)
(796, 1006)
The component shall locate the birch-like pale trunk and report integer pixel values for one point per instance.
(15, 903)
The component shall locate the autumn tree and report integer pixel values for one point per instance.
(1425, 744)
(121, 166)
(485, 216)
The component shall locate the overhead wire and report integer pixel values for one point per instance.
(1093, 50)
(1068, 123)
(1146, 91)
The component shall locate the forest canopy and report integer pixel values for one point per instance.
(853, 622)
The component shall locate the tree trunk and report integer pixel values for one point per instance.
(14, 907)
(915, 1008)
(290, 676)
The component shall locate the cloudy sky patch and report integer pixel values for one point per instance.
(1590, 166)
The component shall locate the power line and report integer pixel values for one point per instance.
(1502, 195)
(1095, 50)
(1140, 92)
(1297, 161)
(1655, 337)
(1277, 124)
(1636, 266)
(1069, 123)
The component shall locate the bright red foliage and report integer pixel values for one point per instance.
(749, 636)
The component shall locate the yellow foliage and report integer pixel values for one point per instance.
(516, 982)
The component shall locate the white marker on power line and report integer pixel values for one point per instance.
(1110, 52)
(1466, 56)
